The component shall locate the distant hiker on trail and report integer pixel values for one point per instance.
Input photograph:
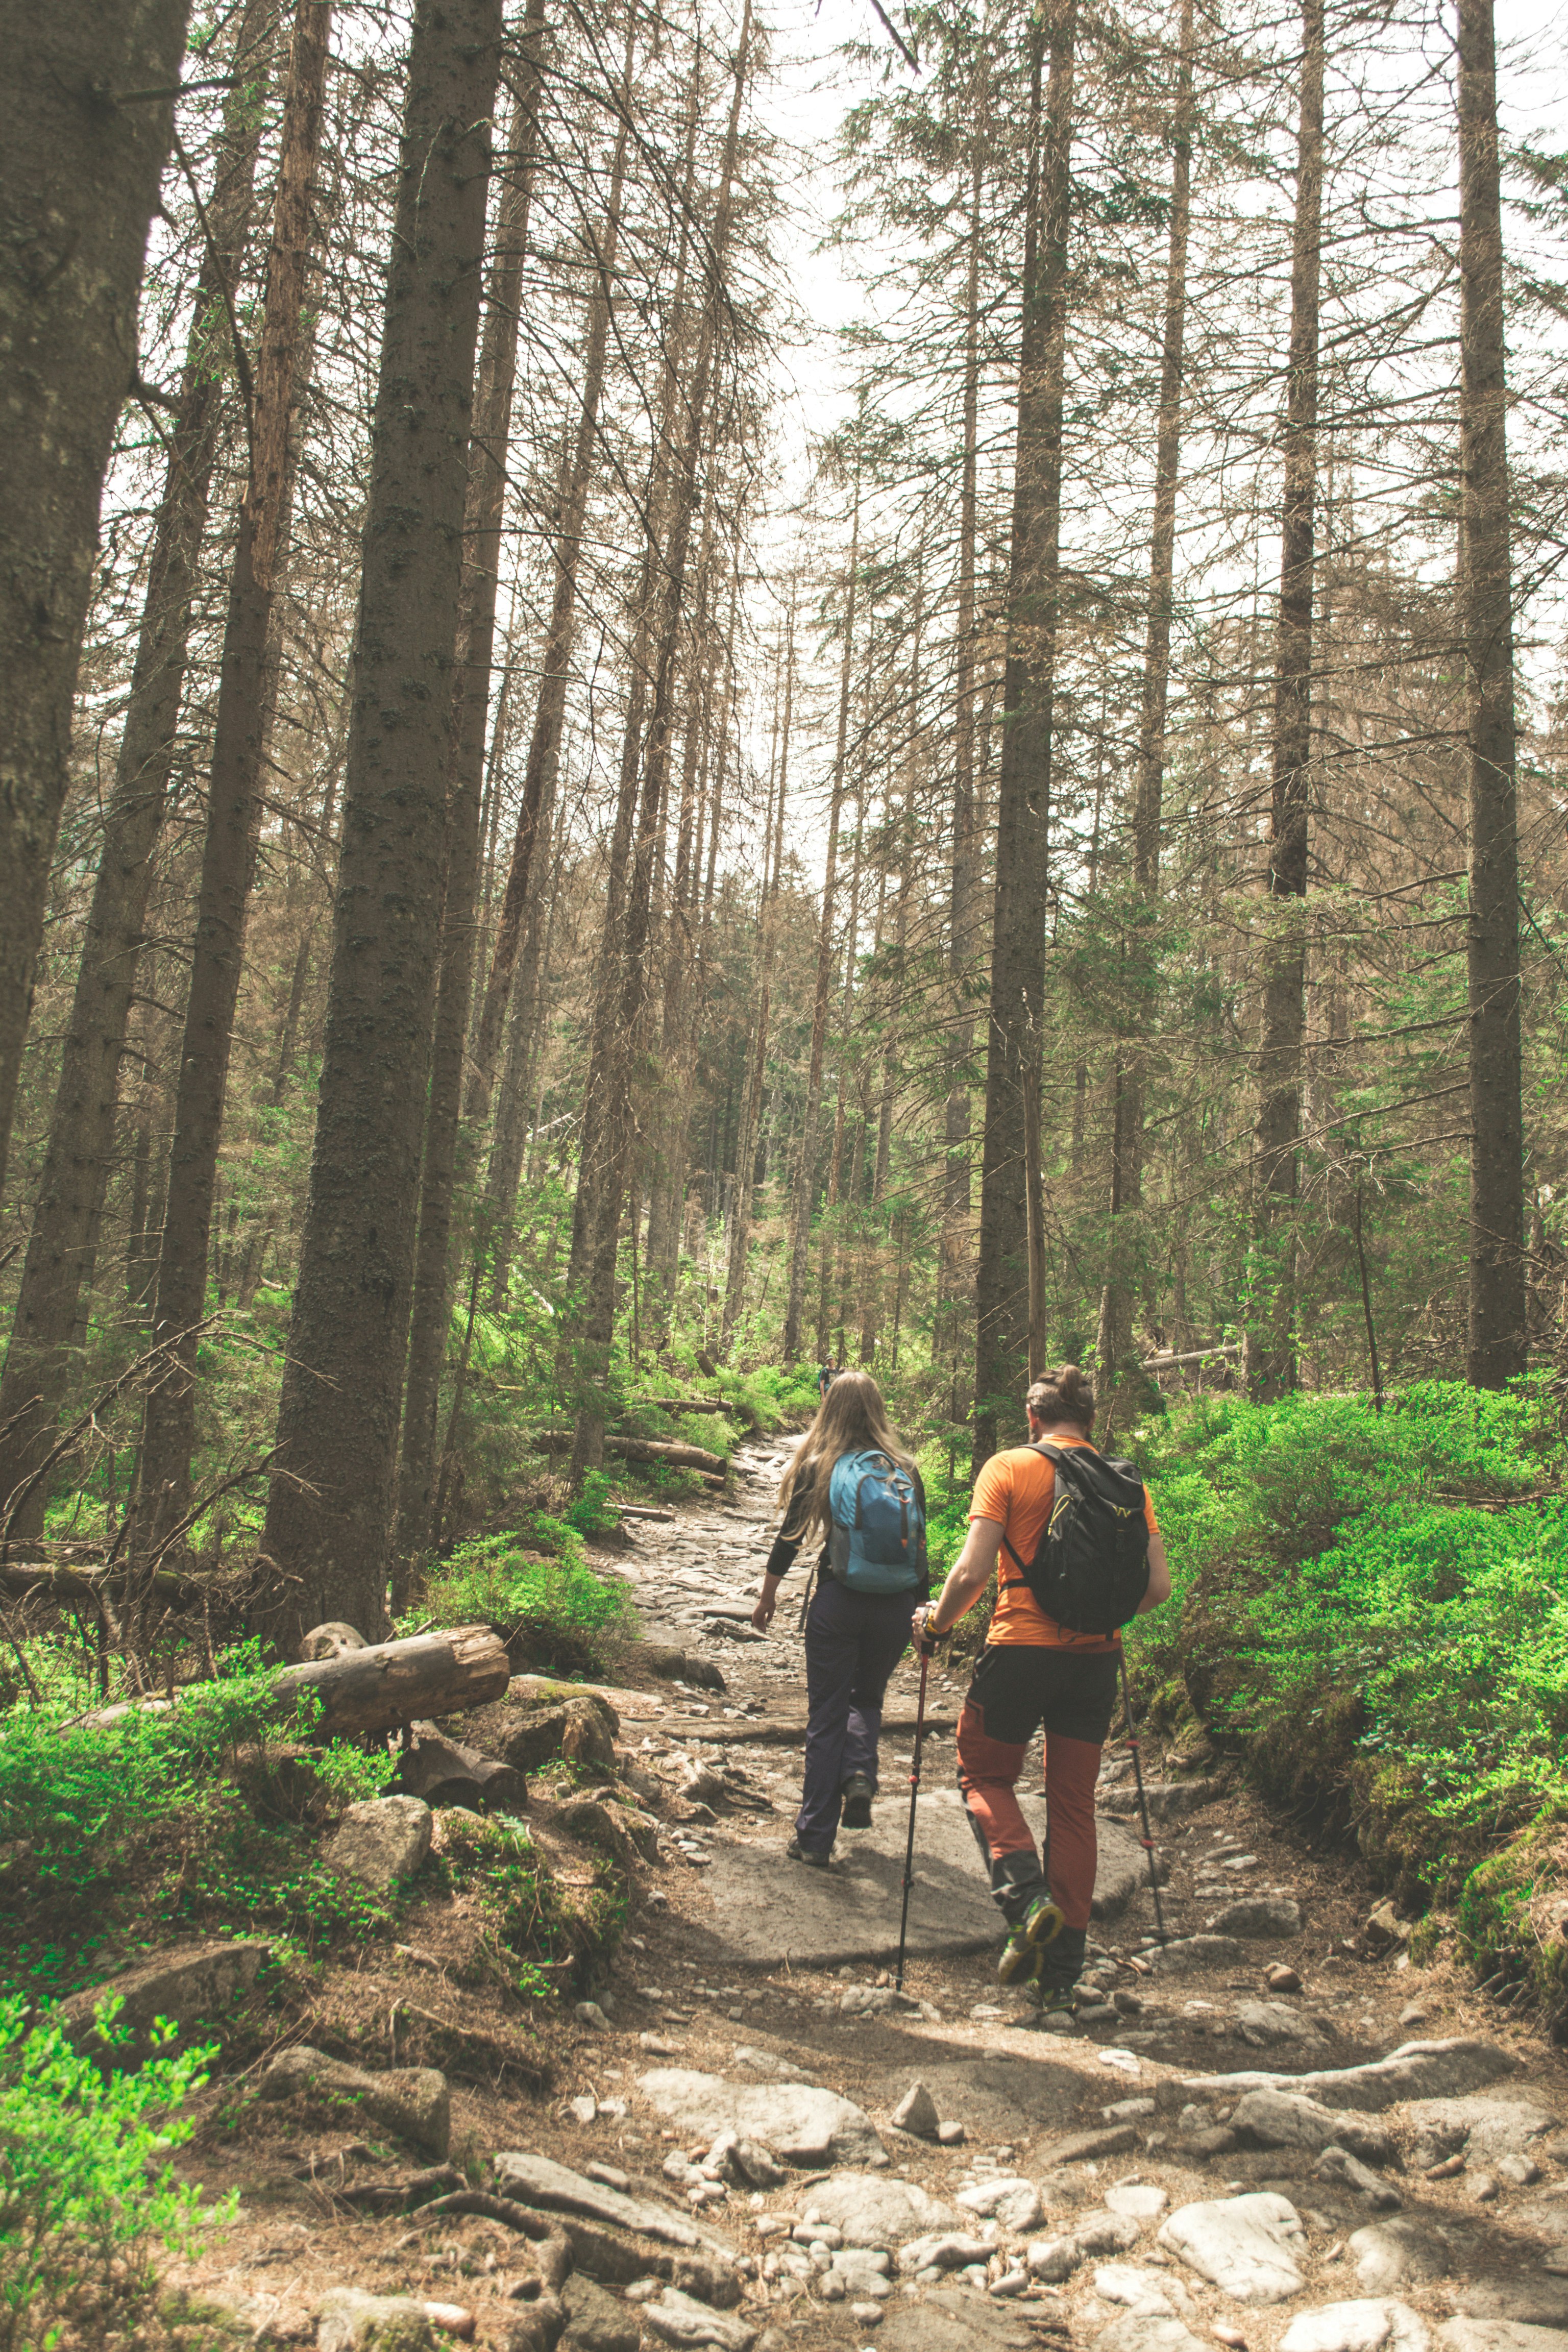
(853, 1481)
(1080, 1555)
(824, 1381)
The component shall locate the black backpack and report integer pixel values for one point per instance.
(1090, 1568)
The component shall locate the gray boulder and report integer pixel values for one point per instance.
(1258, 1916)
(947, 2250)
(1487, 2129)
(1249, 2247)
(1012, 2203)
(1284, 2119)
(1418, 2070)
(954, 2319)
(596, 2321)
(1267, 2021)
(1338, 2163)
(556, 2189)
(1497, 2336)
(1540, 2302)
(1390, 2254)
(1361, 2326)
(412, 2101)
(189, 1986)
(349, 2320)
(801, 2125)
(873, 2209)
(678, 2318)
(379, 1841)
(1197, 1952)
(1136, 2201)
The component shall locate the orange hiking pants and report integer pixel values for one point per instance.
(1017, 1687)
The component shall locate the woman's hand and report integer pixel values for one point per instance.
(762, 1614)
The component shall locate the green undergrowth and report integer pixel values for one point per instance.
(200, 1820)
(1374, 1612)
(555, 1608)
(540, 1936)
(88, 2197)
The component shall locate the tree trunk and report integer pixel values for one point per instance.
(1496, 1348)
(550, 713)
(1114, 1350)
(1270, 1339)
(81, 1128)
(604, 1169)
(246, 681)
(510, 1145)
(329, 1506)
(805, 1165)
(1023, 802)
(964, 901)
(767, 927)
(78, 180)
(441, 1179)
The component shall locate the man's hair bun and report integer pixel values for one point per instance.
(1064, 1395)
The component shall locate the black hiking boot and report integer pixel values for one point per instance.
(798, 1853)
(857, 1793)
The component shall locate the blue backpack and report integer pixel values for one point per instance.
(877, 1541)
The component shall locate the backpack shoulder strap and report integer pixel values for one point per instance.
(1051, 1454)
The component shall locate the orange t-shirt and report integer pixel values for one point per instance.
(1015, 1489)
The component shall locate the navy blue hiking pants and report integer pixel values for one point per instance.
(853, 1641)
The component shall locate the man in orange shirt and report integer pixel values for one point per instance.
(1034, 1672)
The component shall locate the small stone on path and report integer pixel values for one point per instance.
(1258, 1916)
(1198, 1952)
(1247, 2246)
(349, 2320)
(1280, 1979)
(1267, 2021)
(800, 2124)
(1012, 2203)
(916, 2111)
(1362, 2326)
(1136, 2201)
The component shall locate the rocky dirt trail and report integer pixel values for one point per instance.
(1273, 2132)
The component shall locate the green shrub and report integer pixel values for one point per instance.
(558, 1606)
(592, 1513)
(1368, 1615)
(86, 2198)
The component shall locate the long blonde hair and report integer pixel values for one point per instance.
(852, 1416)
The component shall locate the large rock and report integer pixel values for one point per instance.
(871, 2208)
(1198, 1952)
(1149, 2331)
(539, 2180)
(1497, 2336)
(1250, 2246)
(1540, 2302)
(800, 2124)
(190, 1987)
(678, 2318)
(1136, 2201)
(412, 2101)
(1390, 2254)
(1284, 2119)
(1488, 2129)
(1547, 2215)
(1013, 2204)
(945, 2249)
(598, 2322)
(381, 1840)
(349, 2320)
(765, 1906)
(954, 2320)
(1266, 2022)
(1258, 1916)
(1418, 2070)
(1362, 2326)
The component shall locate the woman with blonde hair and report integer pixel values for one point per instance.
(852, 1482)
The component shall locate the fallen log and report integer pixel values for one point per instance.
(444, 1773)
(73, 1584)
(640, 1511)
(636, 1449)
(381, 1688)
(686, 1404)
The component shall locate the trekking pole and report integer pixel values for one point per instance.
(1147, 1840)
(909, 1848)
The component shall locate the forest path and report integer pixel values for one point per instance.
(1114, 2122)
